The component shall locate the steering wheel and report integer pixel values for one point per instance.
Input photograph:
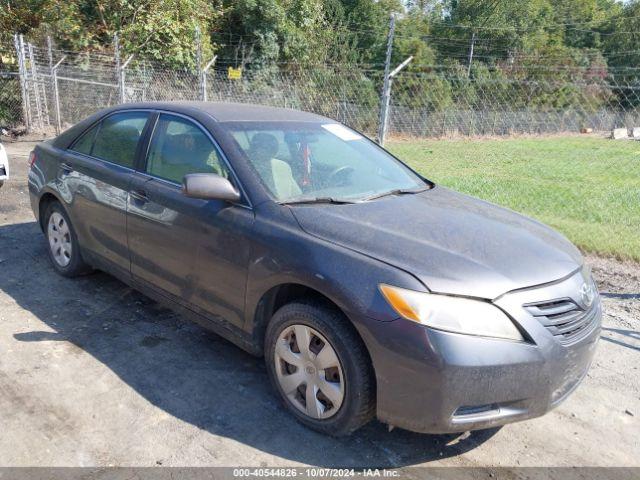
(340, 175)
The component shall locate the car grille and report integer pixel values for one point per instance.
(564, 319)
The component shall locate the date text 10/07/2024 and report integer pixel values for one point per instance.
(314, 473)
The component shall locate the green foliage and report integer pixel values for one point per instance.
(161, 30)
(512, 25)
(425, 91)
(265, 31)
(23, 16)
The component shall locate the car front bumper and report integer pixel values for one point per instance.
(432, 381)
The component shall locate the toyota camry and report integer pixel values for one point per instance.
(369, 290)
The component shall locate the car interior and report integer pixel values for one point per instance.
(179, 149)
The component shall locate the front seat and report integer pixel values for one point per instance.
(275, 173)
(181, 156)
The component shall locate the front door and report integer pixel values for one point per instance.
(195, 251)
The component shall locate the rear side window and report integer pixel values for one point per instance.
(118, 137)
(85, 142)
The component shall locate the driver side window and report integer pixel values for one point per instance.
(179, 147)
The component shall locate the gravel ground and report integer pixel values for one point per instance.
(93, 373)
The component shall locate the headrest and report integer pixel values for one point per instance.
(264, 142)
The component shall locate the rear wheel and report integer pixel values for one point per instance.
(64, 250)
(320, 368)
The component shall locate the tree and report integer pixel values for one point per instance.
(620, 47)
(161, 30)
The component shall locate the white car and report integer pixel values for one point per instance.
(4, 165)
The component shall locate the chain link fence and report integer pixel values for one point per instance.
(585, 188)
(11, 107)
(448, 103)
(47, 89)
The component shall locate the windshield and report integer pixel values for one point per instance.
(306, 161)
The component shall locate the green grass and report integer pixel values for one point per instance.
(587, 188)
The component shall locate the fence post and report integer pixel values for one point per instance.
(205, 71)
(146, 81)
(116, 50)
(201, 74)
(473, 41)
(388, 94)
(18, 42)
(36, 86)
(121, 78)
(56, 107)
(56, 94)
(386, 86)
(119, 68)
(25, 72)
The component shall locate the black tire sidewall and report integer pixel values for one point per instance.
(76, 266)
(322, 320)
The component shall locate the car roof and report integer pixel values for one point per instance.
(211, 111)
(232, 112)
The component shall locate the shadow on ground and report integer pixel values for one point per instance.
(622, 337)
(191, 374)
(620, 296)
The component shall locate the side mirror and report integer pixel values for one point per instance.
(209, 186)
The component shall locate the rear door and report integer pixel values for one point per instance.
(96, 172)
(195, 251)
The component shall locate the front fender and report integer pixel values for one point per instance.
(286, 254)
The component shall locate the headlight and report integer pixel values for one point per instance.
(452, 314)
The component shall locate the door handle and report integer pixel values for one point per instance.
(139, 195)
(66, 168)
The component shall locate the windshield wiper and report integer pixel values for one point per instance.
(310, 200)
(397, 191)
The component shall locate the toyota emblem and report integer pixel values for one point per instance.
(587, 294)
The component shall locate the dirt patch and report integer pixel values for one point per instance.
(619, 286)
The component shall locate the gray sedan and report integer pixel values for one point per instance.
(368, 289)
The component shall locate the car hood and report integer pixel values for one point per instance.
(453, 243)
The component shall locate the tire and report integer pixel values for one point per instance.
(349, 402)
(62, 242)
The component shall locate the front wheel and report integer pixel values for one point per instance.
(64, 250)
(320, 367)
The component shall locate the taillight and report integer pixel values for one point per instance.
(32, 158)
